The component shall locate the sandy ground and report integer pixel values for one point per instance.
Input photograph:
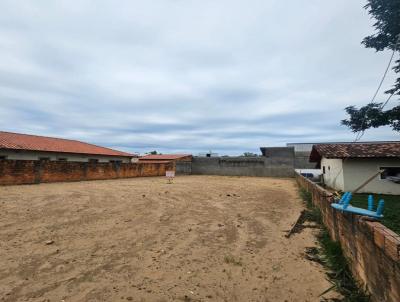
(202, 238)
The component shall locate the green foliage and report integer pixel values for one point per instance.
(307, 197)
(340, 274)
(229, 259)
(391, 210)
(387, 37)
(249, 154)
(153, 152)
(330, 254)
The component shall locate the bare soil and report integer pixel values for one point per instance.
(202, 238)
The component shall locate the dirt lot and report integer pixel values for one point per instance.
(202, 238)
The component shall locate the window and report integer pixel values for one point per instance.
(44, 158)
(329, 168)
(62, 159)
(93, 160)
(390, 172)
(115, 161)
(3, 157)
(323, 170)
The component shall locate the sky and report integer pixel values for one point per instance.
(187, 76)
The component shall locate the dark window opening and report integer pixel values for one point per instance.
(93, 160)
(329, 168)
(115, 161)
(44, 158)
(62, 159)
(390, 172)
(3, 157)
(323, 169)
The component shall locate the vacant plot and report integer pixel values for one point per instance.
(202, 238)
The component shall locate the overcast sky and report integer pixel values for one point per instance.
(187, 75)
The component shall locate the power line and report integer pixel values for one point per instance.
(387, 101)
(360, 133)
(383, 78)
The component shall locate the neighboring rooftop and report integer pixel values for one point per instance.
(307, 147)
(355, 150)
(164, 156)
(17, 141)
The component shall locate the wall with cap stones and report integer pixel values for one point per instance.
(372, 249)
(16, 172)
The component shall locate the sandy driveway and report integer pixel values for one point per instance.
(202, 238)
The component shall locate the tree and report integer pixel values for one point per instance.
(387, 37)
(249, 154)
(153, 152)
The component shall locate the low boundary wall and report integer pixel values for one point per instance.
(16, 172)
(372, 249)
(244, 166)
(183, 167)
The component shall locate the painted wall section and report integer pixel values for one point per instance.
(372, 249)
(333, 173)
(32, 155)
(17, 172)
(357, 171)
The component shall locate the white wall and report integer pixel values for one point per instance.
(357, 171)
(333, 176)
(32, 155)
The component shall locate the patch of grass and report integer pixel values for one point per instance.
(340, 274)
(312, 213)
(231, 260)
(307, 197)
(391, 211)
(330, 254)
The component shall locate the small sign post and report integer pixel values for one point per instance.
(170, 176)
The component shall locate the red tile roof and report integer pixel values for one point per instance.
(355, 150)
(164, 156)
(17, 141)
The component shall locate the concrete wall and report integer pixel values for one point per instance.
(16, 172)
(372, 249)
(183, 158)
(302, 160)
(183, 167)
(278, 162)
(357, 171)
(334, 175)
(35, 155)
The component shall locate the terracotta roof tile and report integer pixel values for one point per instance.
(17, 141)
(355, 150)
(163, 156)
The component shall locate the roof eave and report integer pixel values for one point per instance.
(66, 152)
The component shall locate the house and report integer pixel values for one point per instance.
(347, 166)
(166, 157)
(16, 146)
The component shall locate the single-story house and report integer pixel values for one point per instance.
(16, 146)
(347, 166)
(166, 157)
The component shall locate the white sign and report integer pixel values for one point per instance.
(170, 174)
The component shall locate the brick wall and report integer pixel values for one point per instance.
(15, 172)
(372, 249)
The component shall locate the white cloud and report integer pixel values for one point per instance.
(186, 75)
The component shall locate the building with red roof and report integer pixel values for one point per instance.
(368, 167)
(17, 146)
(166, 157)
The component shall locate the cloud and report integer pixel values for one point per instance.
(189, 76)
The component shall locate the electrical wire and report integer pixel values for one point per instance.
(360, 133)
